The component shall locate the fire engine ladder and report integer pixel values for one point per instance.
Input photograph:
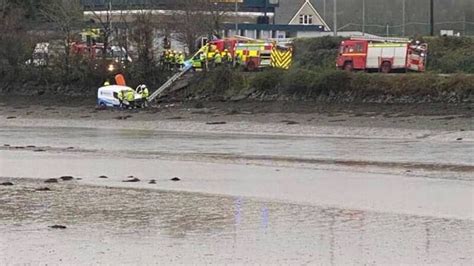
(170, 82)
(379, 39)
(176, 76)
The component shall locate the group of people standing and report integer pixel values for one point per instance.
(172, 60)
(216, 58)
(129, 100)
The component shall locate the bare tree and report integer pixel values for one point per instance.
(104, 18)
(188, 23)
(196, 18)
(65, 14)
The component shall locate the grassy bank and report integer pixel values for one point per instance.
(312, 77)
(332, 86)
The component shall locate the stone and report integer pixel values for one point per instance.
(67, 178)
(216, 123)
(132, 180)
(175, 179)
(289, 122)
(57, 226)
(153, 181)
(459, 139)
(6, 184)
(103, 176)
(51, 180)
(43, 189)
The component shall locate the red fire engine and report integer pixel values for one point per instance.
(382, 54)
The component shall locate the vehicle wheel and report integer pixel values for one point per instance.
(386, 67)
(348, 66)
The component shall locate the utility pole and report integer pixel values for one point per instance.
(363, 17)
(335, 17)
(403, 17)
(324, 9)
(236, 18)
(432, 17)
(464, 25)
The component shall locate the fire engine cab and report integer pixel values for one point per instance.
(382, 54)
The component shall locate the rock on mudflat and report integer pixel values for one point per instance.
(51, 180)
(459, 139)
(57, 226)
(103, 176)
(43, 189)
(153, 181)
(66, 178)
(289, 122)
(175, 179)
(6, 184)
(132, 180)
(216, 123)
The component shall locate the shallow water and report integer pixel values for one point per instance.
(230, 211)
(118, 225)
(327, 148)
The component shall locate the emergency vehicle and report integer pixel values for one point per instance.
(382, 54)
(254, 54)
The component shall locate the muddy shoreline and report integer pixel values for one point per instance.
(292, 113)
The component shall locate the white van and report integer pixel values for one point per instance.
(107, 96)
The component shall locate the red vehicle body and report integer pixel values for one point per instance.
(384, 55)
(255, 54)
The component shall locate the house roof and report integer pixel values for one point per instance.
(288, 9)
(310, 8)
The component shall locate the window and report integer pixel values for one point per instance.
(306, 19)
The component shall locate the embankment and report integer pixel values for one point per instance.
(329, 86)
(450, 79)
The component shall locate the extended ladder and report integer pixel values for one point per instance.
(176, 76)
(170, 82)
(380, 39)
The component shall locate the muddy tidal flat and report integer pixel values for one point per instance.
(236, 184)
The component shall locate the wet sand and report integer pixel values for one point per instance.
(326, 186)
(138, 226)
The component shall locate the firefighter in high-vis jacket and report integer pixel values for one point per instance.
(130, 98)
(226, 57)
(217, 59)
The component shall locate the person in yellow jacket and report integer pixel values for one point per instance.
(226, 57)
(181, 60)
(120, 96)
(130, 97)
(177, 59)
(217, 59)
(143, 90)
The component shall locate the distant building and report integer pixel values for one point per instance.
(299, 12)
(291, 18)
